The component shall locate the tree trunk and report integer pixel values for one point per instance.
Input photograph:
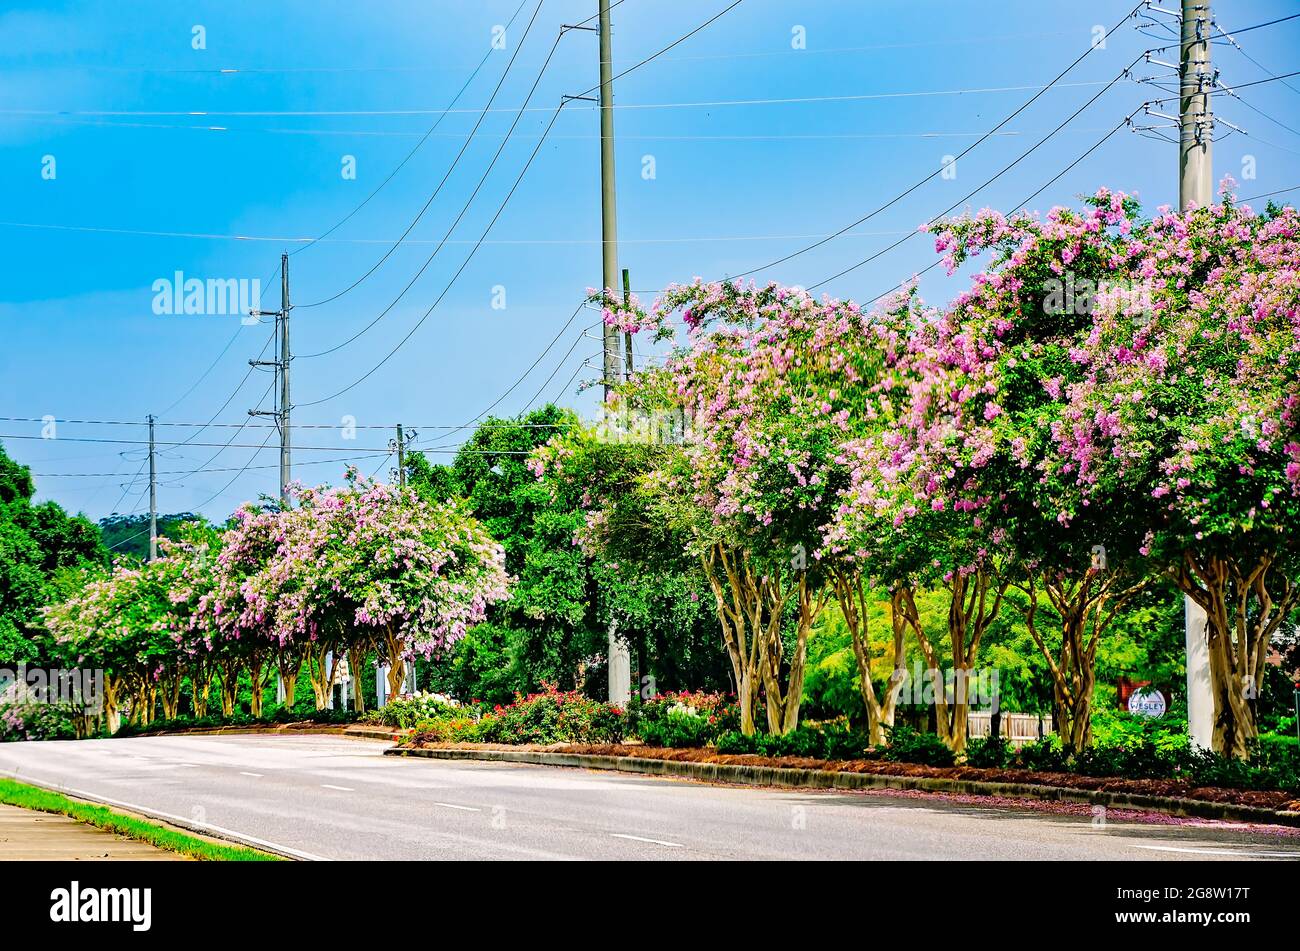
(355, 659)
(256, 669)
(112, 708)
(851, 592)
(322, 680)
(1244, 608)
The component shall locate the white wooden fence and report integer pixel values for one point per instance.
(1017, 728)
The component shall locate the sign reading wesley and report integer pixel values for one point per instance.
(1147, 702)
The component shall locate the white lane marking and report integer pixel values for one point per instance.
(254, 775)
(452, 805)
(639, 838)
(339, 788)
(188, 765)
(239, 837)
(1236, 852)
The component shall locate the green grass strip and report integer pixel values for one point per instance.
(42, 800)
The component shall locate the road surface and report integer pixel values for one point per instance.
(336, 798)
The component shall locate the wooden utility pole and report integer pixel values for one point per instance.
(284, 404)
(153, 497)
(286, 461)
(1196, 186)
(630, 367)
(399, 447)
(619, 662)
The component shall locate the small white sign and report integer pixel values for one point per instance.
(1147, 702)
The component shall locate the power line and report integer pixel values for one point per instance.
(464, 209)
(455, 162)
(247, 425)
(424, 138)
(1006, 168)
(64, 116)
(513, 188)
(916, 185)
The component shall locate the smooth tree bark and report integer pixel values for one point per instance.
(1245, 603)
(113, 686)
(1086, 605)
(750, 606)
(322, 668)
(357, 657)
(851, 591)
(974, 602)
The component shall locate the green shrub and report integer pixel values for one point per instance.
(461, 729)
(989, 752)
(907, 745)
(29, 720)
(1045, 755)
(735, 743)
(683, 719)
(406, 712)
(1118, 728)
(678, 729)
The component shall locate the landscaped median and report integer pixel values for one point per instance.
(693, 736)
(706, 765)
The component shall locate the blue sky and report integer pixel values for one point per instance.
(144, 188)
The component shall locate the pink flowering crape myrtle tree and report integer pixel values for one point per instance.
(403, 574)
(1007, 347)
(1192, 405)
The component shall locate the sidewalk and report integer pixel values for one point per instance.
(26, 835)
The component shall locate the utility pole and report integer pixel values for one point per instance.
(627, 336)
(620, 671)
(283, 403)
(286, 472)
(153, 497)
(1196, 186)
(608, 195)
(398, 446)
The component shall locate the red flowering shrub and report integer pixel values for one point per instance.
(553, 717)
(685, 719)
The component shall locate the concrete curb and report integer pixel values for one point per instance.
(826, 779)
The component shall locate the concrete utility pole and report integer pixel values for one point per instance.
(280, 364)
(1196, 186)
(620, 671)
(153, 497)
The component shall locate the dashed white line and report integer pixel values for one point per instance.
(254, 775)
(1234, 852)
(640, 838)
(452, 805)
(339, 788)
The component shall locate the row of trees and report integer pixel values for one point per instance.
(1112, 404)
(365, 568)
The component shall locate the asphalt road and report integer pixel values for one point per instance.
(335, 798)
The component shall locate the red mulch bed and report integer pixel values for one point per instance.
(1145, 787)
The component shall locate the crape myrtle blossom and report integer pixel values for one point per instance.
(1161, 418)
(1194, 408)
